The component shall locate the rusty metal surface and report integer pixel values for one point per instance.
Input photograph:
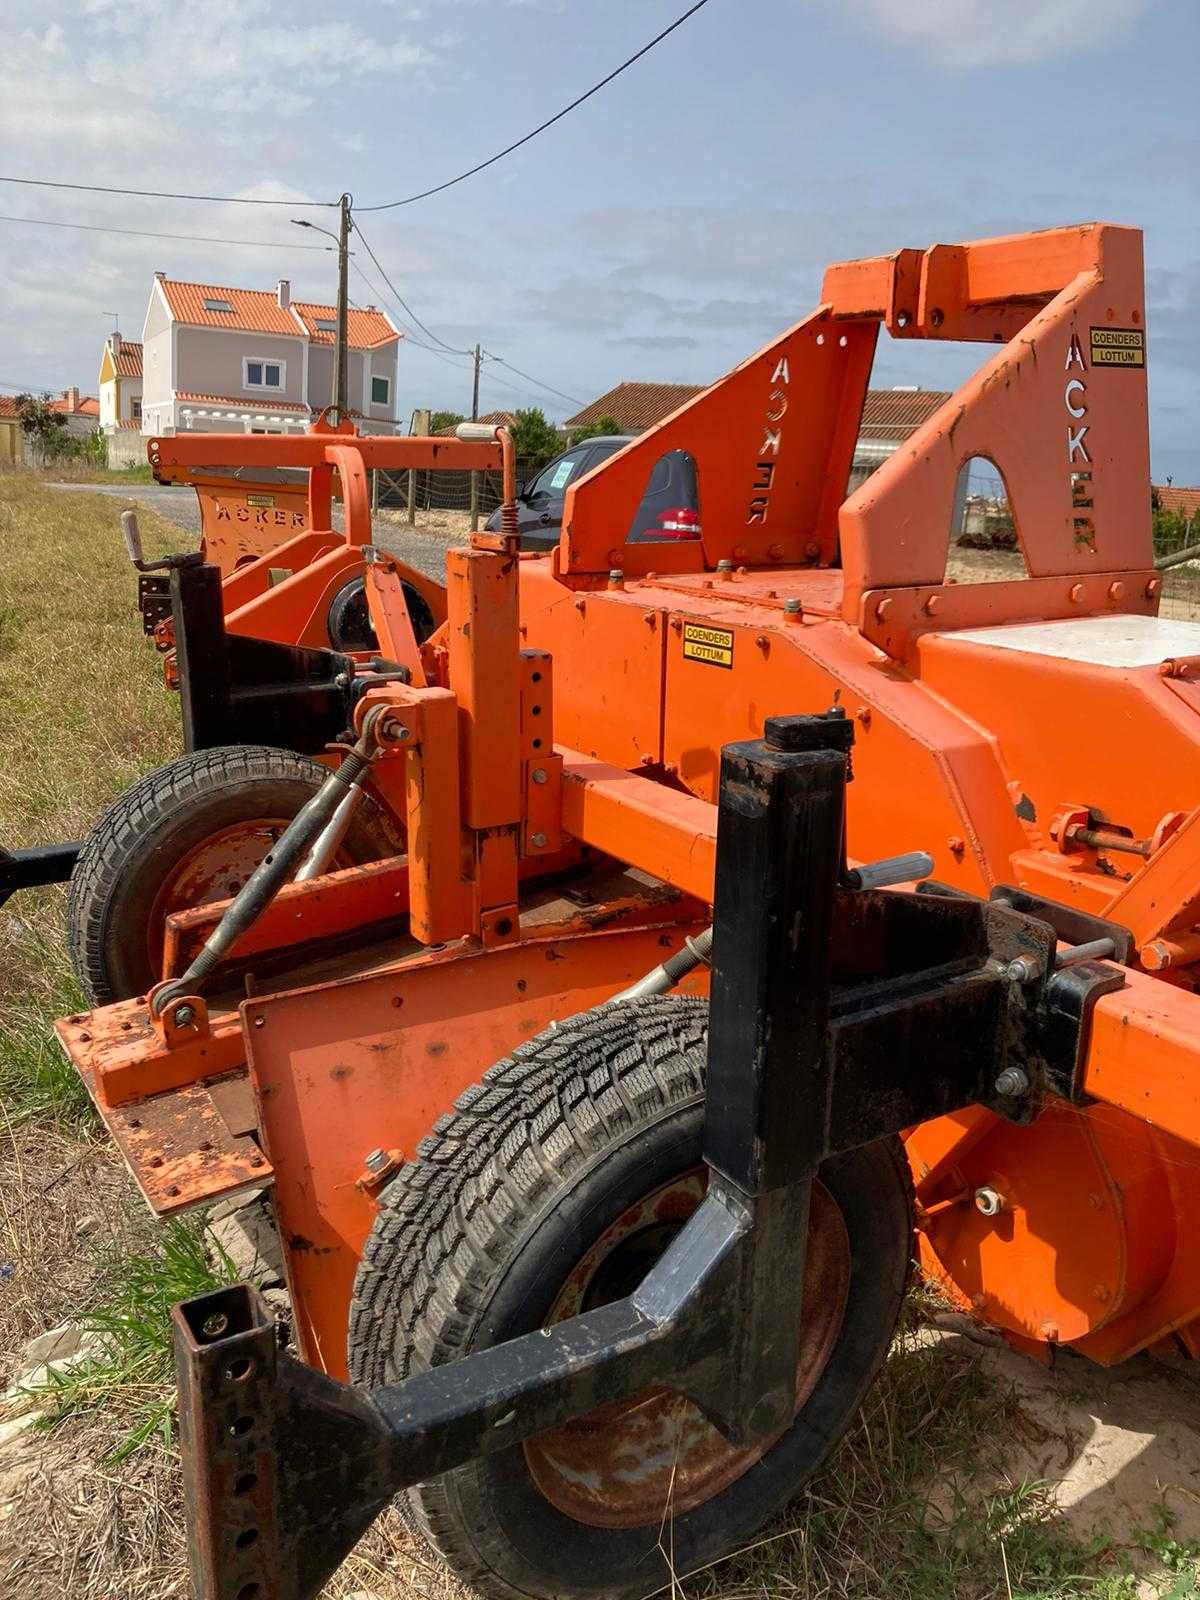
(281, 1473)
(180, 1147)
(619, 1466)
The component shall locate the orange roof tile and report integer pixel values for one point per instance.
(81, 405)
(365, 330)
(129, 361)
(254, 310)
(242, 402)
(896, 413)
(1184, 502)
(636, 406)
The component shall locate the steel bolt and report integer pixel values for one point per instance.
(616, 578)
(538, 841)
(989, 1201)
(1021, 970)
(377, 1160)
(540, 775)
(1012, 1081)
(184, 1016)
(793, 607)
(725, 568)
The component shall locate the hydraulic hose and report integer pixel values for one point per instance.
(672, 970)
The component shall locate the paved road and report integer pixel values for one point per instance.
(424, 550)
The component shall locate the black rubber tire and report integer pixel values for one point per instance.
(348, 622)
(474, 1240)
(139, 840)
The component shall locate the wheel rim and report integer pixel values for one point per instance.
(214, 869)
(629, 1463)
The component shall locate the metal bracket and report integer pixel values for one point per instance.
(1070, 925)
(235, 689)
(837, 1017)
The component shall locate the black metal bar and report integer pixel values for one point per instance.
(35, 866)
(236, 689)
(202, 657)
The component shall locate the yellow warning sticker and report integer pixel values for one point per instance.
(712, 645)
(1118, 347)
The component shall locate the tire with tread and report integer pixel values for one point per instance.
(473, 1241)
(147, 832)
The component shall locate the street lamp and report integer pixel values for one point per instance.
(342, 239)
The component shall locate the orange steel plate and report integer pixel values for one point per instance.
(180, 1148)
(346, 1068)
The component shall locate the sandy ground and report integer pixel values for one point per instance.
(1114, 1442)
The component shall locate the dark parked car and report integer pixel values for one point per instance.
(670, 508)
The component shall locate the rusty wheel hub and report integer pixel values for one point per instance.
(215, 869)
(630, 1463)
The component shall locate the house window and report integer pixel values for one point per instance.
(260, 374)
(326, 325)
(218, 305)
(135, 410)
(381, 391)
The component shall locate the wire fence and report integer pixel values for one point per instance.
(417, 491)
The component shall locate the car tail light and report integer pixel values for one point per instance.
(678, 522)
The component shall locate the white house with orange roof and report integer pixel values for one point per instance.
(220, 360)
(120, 384)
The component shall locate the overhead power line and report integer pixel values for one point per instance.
(159, 194)
(453, 349)
(491, 161)
(537, 382)
(186, 238)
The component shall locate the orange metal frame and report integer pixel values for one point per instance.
(567, 714)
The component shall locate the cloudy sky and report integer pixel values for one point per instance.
(661, 232)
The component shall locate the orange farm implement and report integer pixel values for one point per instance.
(602, 1234)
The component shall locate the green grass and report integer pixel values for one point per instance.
(134, 1378)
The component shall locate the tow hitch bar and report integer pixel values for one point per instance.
(838, 1015)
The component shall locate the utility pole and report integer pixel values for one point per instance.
(340, 363)
(475, 418)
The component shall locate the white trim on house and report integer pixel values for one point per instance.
(263, 362)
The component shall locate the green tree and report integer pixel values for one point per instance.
(536, 440)
(445, 421)
(592, 430)
(45, 428)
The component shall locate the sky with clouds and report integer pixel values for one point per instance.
(662, 232)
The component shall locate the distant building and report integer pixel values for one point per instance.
(634, 407)
(120, 384)
(890, 416)
(1180, 502)
(221, 360)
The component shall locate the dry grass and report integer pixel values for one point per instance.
(914, 1504)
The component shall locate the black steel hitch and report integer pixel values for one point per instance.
(837, 1016)
(236, 689)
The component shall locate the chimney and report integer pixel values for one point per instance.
(115, 342)
(161, 276)
(283, 293)
(71, 396)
